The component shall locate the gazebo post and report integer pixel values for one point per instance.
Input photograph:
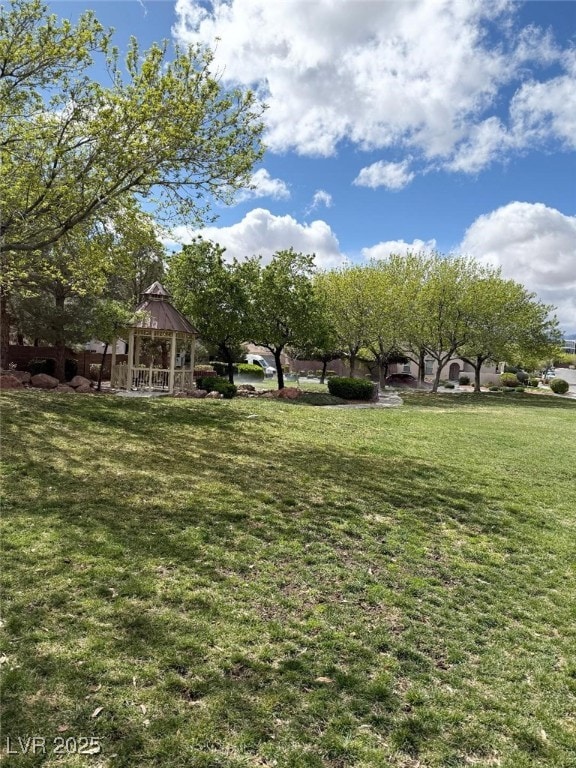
(113, 361)
(192, 353)
(130, 358)
(172, 363)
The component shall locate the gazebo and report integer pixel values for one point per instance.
(160, 326)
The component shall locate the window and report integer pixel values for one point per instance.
(428, 367)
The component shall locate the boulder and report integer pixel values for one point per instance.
(198, 393)
(246, 388)
(289, 393)
(214, 396)
(8, 381)
(83, 388)
(268, 394)
(43, 381)
(79, 381)
(23, 376)
(64, 388)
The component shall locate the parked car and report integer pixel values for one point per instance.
(549, 374)
(269, 370)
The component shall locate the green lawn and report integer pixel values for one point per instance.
(257, 583)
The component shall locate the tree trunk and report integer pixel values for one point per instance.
(60, 358)
(4, 329)
(352, 363)
(101, 371)
(437, 375)
(323, 376)
(230, 368)
(279, 371)
(421, 366)
(382, 371)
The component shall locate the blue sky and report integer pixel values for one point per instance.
(395, 125)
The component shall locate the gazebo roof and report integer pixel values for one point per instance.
(160, 314)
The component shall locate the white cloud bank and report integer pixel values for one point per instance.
(399, 247)
(534, 245)
(262, 233)
(424, 77)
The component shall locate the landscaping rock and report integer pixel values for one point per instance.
(84, 388)
(246, 388)
(289, 393)
(198, 393)
(267, 394)
(23, 376)
(8, 381)
(43, 381)
(79, 381)
(214, 396)
(64, 388)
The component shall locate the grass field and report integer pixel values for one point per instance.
(251, 583)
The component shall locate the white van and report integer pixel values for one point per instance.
(261, 361)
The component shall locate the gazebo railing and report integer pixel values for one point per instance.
(151, 378)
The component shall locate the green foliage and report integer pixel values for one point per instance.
(349, 388)
(41, 365)
(533, 381)
(162, 126)
(509, 380)
(448, 385)
(464, 380)
(250, 369)
(519, 389)
(215, 294)
(559, 386)
(495, 389)
(218, 384)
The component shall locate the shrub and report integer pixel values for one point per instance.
(533, 382)
(495, 389)
(350, 389)
(204, 369)
(70, 368)
(509, 379)
(559, 386)
(217, 384)
(448, 385)
(519, 389)
(93, 371)
(221, 368)
(464, 380)
(251, 370)
(42, 365)
(522, 376)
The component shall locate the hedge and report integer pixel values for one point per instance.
(350, 389)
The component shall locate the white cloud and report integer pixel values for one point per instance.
(534, 245)
(421, 76)
(263, 185)
(384, 249)
(321, 197)
(380, 174)
(262, 233)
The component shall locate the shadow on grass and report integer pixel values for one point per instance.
(179, 533)
(487, 399)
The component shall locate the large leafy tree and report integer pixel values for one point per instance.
(506, 322)
(216, 295)
(287, 310)
(346, 297)
(164, 129)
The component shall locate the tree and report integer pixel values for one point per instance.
(506, 323)
(285, 305)
(346, 297)
(216, 295)
(166, 131)
(108, 318)
(439, 322)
